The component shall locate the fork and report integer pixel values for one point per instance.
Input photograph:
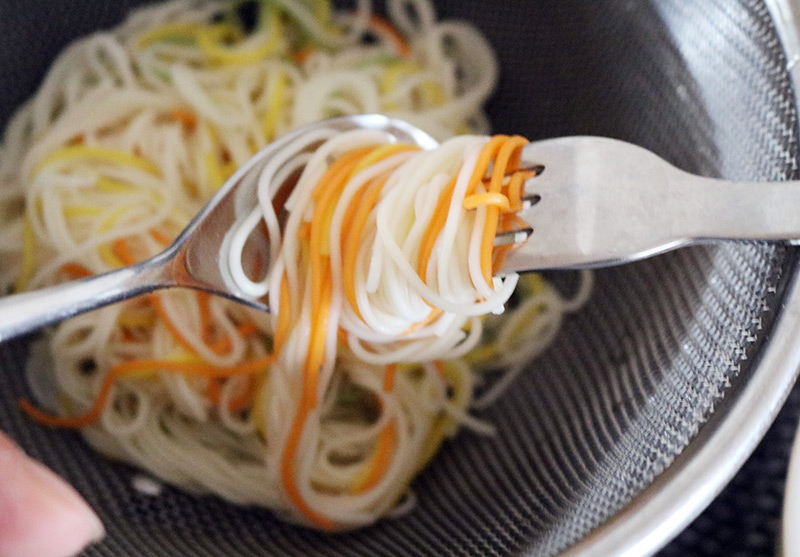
(194, 259)
(593, 202)
(598, 202)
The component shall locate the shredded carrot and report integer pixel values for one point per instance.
(224, 344)
(137, 367)
(326, 194)
(204, 305)
(434, 314)
(514, 187)
(434, 228)
(206, 325)
(379, 462)
(385, 29)
(308, 402)
(389, 374)
(304, 231)
(347, 221)
(244, 399)
(159, 237)
(247, 328)
(213, 390)
(185, 117)
(237, 403)
(386, 439)
(352, 239)
(158, 305)
(75, 270)
(439, 365)
(488, 152)
(507, 156)
(509, 222)
(122, 251)
(301, 56)
(487, 199)
(284, 316)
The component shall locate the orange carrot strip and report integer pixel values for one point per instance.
(326, 194)
(488, 152)
(509, 222)
(506, 154)
(434, 314)
(347, 221)
(304, 231)
(301, 56)
(158, 305)
(243, 400)
(352, 240)
(386, 440)
(380, 459)
(328, 191)
(185, 117)
(389, 374)
(439, 365)
(160, 237)
(75, 270)
(494, 199)
(122, 251)
(284, 316)
(247, 328)
(385, 29)
(132, 367)
(207, 325)
(308, 402)
(224, 344)
(434, 228)
(204, 305)
(213, 391)
(514, 189)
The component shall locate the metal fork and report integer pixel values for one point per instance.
(598, 202)
(194, 259)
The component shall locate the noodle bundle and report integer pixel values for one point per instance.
(382, 269)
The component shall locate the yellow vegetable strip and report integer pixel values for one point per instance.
(211, 40)
(275, 105)
(169, 31)
(101, 154)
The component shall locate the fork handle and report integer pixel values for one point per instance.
(712, 209)
(27, 312)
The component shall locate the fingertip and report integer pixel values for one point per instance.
(40, 514)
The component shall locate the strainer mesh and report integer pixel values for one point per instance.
(629, 380)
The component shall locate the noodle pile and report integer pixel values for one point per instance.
(325, 409)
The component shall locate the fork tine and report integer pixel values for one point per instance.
(512, 236)
(530, 200)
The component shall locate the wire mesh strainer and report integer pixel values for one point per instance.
(661, 355)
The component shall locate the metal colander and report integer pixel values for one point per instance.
(650, 398)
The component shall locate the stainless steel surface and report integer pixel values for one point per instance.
(669, 504)
(654, 365)
(607, 202)
(193, 260)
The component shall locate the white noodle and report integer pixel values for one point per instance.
(103, 159)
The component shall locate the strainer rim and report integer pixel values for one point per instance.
(670, 503)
